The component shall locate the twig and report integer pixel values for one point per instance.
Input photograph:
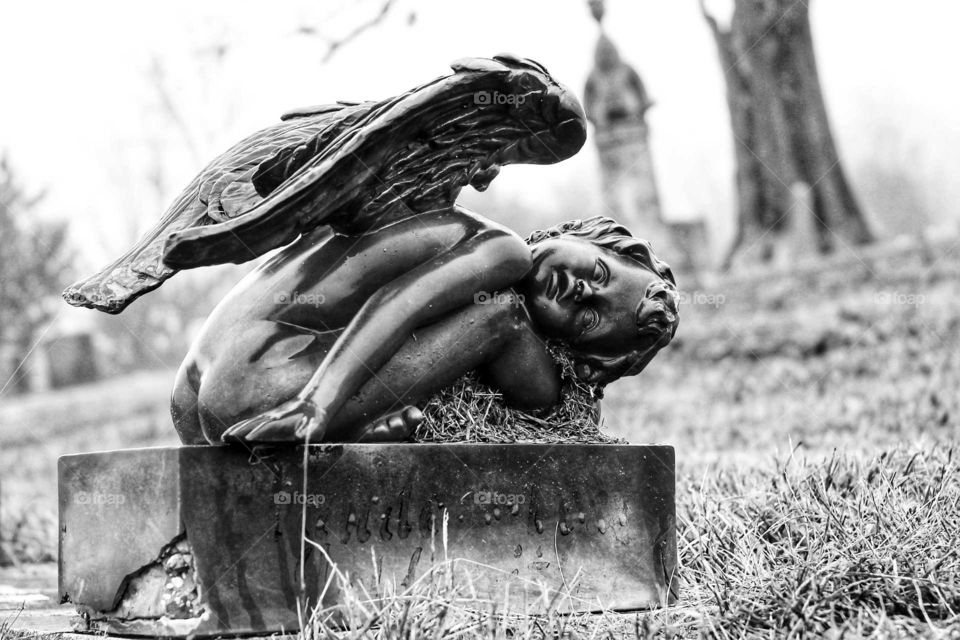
(358, 30)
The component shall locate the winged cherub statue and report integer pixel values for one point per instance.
(385, 290)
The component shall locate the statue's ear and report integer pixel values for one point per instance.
(586, 372)
(602, 370)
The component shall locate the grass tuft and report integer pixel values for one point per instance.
(443, 603)
(470, 411)
(831, 548)
(7, 632)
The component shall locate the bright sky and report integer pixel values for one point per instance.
(80, 118)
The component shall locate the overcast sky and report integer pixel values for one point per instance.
(79, 115)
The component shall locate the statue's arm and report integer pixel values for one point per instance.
(487, 261)
(526, 374)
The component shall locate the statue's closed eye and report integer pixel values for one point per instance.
(601, 273)
(589, 320)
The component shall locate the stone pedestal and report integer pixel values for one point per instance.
(205, 540)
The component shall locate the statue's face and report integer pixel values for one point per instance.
(597, 301)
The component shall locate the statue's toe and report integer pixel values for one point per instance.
(394, 427)
(412, 416)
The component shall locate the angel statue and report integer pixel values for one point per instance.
(384, 290)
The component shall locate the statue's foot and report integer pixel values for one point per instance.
(290, 423)
(393, 427)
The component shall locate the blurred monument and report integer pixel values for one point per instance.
(616, 103)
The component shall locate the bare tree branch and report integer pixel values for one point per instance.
(336, 45)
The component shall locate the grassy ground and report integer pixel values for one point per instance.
(814, 416)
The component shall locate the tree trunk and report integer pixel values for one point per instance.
(787, 164)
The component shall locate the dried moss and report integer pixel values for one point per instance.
(470, 411)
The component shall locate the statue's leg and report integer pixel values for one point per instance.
(434, 357)
(260, 366)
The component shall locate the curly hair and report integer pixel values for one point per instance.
(610, 235)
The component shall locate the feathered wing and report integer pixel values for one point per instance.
(223, 190)
(354, 167)
(406, 155)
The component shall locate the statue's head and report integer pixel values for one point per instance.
(604, 294)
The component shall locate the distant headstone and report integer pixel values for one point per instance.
(800, 239)
(6, 554)
(73, 360)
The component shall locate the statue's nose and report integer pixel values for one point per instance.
(582, 290)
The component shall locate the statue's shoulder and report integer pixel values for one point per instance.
(482, 223)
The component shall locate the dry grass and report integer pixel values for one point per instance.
(442, 603)
(7, 632)
(470, 411)
(841, 546)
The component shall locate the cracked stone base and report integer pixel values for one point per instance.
(198, 541)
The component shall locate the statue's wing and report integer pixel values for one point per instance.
(223, 190)
(407, 155)
(366, 165)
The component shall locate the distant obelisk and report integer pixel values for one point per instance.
(616, 103)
